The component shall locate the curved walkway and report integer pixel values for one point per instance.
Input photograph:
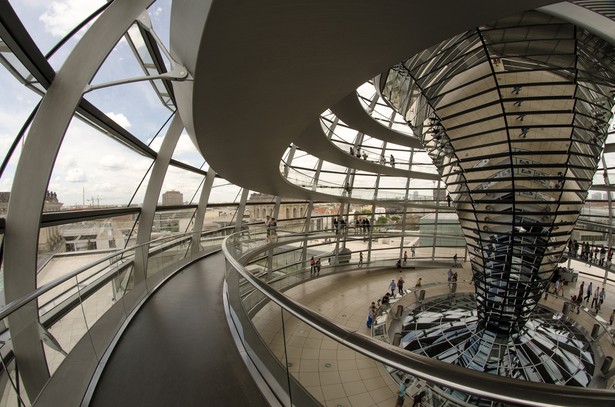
(314, 141)
(178, 350)
(336, 375)
(350, 111)
(261, 77)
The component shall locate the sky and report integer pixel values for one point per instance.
(90, 163)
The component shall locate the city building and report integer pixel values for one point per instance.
(388, 139)
(172, 198)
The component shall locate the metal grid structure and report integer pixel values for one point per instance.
(514, 115)
(34, 65)
(547, 350)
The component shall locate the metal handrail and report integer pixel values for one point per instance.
(482, 384)
(16, 304)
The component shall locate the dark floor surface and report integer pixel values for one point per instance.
(178, 350)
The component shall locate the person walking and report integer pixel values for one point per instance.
(392, 287)
(401, 395)
(398, 265)
(602, 296)
(405, 256)
(579, 303)
(400, 285)
(413, 251)
(573, 301)
(595, 298)
(589, 291)
(312, 263)
(360, 259)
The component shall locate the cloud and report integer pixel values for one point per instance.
(68, 161)
(113, 162)
(76, 175)
(61, 16)
(184, 145)
(120, 119)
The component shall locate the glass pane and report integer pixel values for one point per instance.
(88, 166)
(68, 329)
(48, 23)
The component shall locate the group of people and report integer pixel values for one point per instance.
(556, 283)
(452, 276)
(386, 299)
(596, 295)
(357, 152)
(340, 225)
(596, 254)
(383, 160)
(399, 285)
(314, 266)
(361, 225)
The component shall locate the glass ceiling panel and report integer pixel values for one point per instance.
(330, 167)
(182, 181)
(160, 15)
(48, 22)
(134, 106)
(16, 105)
(185, 151)
(88, 166)
(305, 160)
(223, 191)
